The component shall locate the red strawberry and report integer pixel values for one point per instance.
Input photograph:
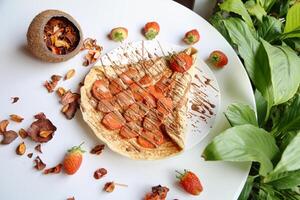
(191, 37)
(73, 160)
(190, 182)
(151, 30)
(218, 58)
(181, 62)
(118, 34)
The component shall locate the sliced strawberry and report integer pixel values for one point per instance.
(136, 112)
(130, 130)
(116, 86)
(138, 91)
(100, 90)
(146, 81)
(125, 99)
(155, 92)
(113, 121)
(106, 105)
(150, 139)
(181, 62)
(149, 101)
(164, 105)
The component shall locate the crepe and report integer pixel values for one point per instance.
(173, 124)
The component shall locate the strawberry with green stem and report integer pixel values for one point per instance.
(151, 30)
(118, 34)
(73, 159)
(218, 58)
(191, 37)
(190, 182)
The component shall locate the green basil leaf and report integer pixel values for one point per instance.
(293, 21)
(240, 114)
(284, 67)
(247, 188)
(269, 29)
(255, 9)
(243, 143)
(291, 119)
(237, 7)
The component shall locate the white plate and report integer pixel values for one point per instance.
(200, 119)
(23, 76)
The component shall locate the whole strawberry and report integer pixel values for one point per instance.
(190, 182)
(218, 58)
(151, 30)
(118, 34)
(191, 37)
(73, 160)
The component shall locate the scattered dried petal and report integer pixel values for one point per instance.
(56, 78)
(22, 133)
(30, 155)
(97, 149)
(40, 125)
(50, 85)
(54, 170)
(45, 134)
(40, 115)
(38, 148)
(69, 97)
(99, 173)
(3, 125)
(109, 187)
(60, 91)
(21, 149)
(93, 53)
(65, 108)
(15, 99)
(9, 137)
(69, 74)
(39, 165)
(16, 118)
(71, 198)
(72, 109)
(158, 192)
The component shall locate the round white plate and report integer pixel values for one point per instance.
(22, 75)
(204, 87)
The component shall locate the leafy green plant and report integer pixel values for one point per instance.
(266, 36)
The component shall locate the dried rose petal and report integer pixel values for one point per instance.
(97, 149)
(21, 148)
(60, 91)
(158, 192)
(50, 85)
(71, 109)
(71, 198)
(69, 97)
(56, 78)
(38, 148)
(69, 74)
(94, 51)
(99, 173)
(40, 115)
(15, 99)
(3, 125)
(9, 137)
(39, 165)
(22, 133)
(109, 187)
(45, 134)
(16, 118)
(41, 125)
(30, 155)
(54, 170)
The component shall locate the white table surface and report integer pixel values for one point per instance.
(22, 75)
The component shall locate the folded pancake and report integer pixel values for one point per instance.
(138, 109)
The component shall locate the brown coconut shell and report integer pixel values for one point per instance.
(35, 36)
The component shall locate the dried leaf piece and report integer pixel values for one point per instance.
(30, 155)
(99, 173)
(97, 149)
(3, 125)
(21, 149)
(39, 165)
(60, 91)
(40, 125)
(38, 148)
(9, 137)
(54, 170)
(69, 74)
(14, 99)
(16, 118)
(22, 133)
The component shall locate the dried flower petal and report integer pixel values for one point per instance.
(99, 173)
(30, 155)
(158, 192)
(65, 108)
(71, 198)
(45, 134)
(109, 187)
(72, 109)
(69, 97)
(22, 133)
(60, 91)
(39, 165)
(93, 53)
(38, 148)
(21, 149)
(56, 78)
(9, 137)
(16, 118)
(97, 149)
(40, 115)
(69, 74)
(15, 99)
(3, 125)
(50, 85)
(38, 126)
(54, 170)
